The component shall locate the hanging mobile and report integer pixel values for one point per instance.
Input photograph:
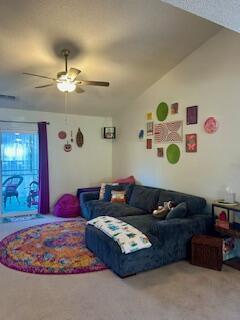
(67, 146)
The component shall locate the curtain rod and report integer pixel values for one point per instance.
(31, 122)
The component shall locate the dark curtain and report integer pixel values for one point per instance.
(43, 206)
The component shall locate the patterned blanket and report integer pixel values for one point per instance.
(129, 238)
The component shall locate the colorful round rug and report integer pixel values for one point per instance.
(52, 248)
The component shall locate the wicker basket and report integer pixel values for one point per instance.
(207, 252)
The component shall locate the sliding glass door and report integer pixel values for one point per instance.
(18, 172)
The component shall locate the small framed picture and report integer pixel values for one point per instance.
(192, 115)
(141, 134)
(174, 108)
(149, 143)
(191, 142)
(150, 128)
(160, 153)
(109, 132)
(149, 116)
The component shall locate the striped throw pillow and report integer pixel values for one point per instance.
(102, 189)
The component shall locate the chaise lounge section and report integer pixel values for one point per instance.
(169, 238)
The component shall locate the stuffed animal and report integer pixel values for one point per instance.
(162, 211)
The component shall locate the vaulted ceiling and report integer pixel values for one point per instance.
(129, 43)
(224, 12)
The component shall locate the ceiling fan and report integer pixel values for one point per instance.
(66, 81)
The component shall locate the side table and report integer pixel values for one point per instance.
(233, 230)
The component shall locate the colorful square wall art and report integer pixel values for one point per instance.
(191, 142)
(174, 108)
(149, 128)
(168, 132)
(192, 115)
(149, 116)
(149, 144)
(160, 152)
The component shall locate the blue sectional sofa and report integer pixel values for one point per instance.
(170, 238)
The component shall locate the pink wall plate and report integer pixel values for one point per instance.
(211, 125)
(62, 135)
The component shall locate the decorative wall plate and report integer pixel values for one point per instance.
(173, 153)
(162, 111)
(62, 135)
(211, 125)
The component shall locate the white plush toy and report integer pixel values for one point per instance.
(162, 211)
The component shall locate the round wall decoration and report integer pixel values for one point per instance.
(162, 111)
(62, 135)
(67, 147)
(173, 153)
(211, 125)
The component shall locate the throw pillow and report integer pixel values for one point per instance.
(108, 191)
(128, 188)
(180, 211)
(128, 180)
(118, 197)
(102, 189)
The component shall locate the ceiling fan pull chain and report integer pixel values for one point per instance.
(65, 107)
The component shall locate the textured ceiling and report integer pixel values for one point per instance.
(224, 12)
(129, 43)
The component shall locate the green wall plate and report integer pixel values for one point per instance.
(162, 111)
(173, 153)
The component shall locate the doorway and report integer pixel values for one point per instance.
(19, 172)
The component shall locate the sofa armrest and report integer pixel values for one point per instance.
(87, 196)
(181, 229)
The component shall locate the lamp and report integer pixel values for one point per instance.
(66, 86)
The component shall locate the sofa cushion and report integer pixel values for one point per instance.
(98, 208)
(177, 231)
(180, 211)
(144, 198)
(195, 205)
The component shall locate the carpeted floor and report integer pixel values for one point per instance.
(175, 292)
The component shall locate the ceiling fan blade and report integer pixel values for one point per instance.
(79, 90)
(73, 73)
(45, 86)
(37, 75)
(94, 83)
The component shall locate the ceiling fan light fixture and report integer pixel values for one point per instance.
(66, 86)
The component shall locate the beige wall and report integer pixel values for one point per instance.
(82, 167)
(209, 78)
